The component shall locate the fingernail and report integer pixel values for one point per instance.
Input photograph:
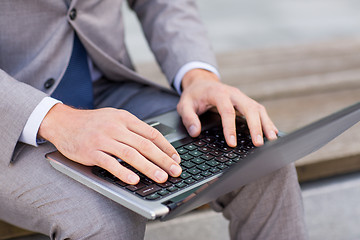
(160, 176)
(272, 135)
(175, 170)
(133, 179)
(232, 140)
(192, 130)
(176, 158)
(259, 139)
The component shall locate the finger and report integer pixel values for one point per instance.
(110, 164)
(254, 123)
(189, 117)
(151, 152)
(136, 160)
(268, 126)
(143, 129)
(228, 116)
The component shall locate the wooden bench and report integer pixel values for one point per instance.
(297, 84)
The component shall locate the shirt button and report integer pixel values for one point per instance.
(49, 83)
(72, 14)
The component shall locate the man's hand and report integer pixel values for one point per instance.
(202, 90)
(96, 137)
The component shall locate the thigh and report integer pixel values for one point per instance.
(269, 208)
(35, 196)
(141, 100)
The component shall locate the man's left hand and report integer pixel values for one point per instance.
(203, 90)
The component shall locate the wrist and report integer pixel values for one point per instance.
(52, 121)
(195, 75)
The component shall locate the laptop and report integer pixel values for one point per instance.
(210, 167)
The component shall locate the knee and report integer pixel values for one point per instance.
(92, 222)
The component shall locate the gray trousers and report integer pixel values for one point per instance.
(34, 196)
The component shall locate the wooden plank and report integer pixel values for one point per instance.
(9, 231)
(286, 71)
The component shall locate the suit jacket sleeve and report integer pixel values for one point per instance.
(17, 101)
(174, 32)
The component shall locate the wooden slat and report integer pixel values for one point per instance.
(9, 231)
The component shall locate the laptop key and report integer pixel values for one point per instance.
(237, 159)
(229, 163)
(185, 175)
(230, 155)
(226, 149)
(221, 159)
(214, 170)
(205, 149)
(203, 167)
(198, 177)
(197, 161)
(216, 153)
(181, 151)
(187, 164)
(174, 179)
(207, 156)
(165, 184)
(209, 139)
(153, 196)
(206, 173)
(193, 171)
(189, 181)
(136, 187)
(186, 157)
(222, 166)
(212, 163)
(148, 190)
(172, 189)
(181, 185)
(190, 147)
(120, 183)
(195, 153)
(199, 143)
(163, 192)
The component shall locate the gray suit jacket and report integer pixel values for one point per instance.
(36, 39)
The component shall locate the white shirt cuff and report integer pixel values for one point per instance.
(30, 131)
(190, 66)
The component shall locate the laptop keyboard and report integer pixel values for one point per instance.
(201, 158)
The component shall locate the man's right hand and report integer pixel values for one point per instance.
(94, 137)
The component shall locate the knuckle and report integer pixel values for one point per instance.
(127, 153)
(103, 162)
(147, 170)
(153, 134)
(230, 111)
(221, 90)
(146, 145)
(124, 115)
(261, 107)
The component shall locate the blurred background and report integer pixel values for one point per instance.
(246, 24)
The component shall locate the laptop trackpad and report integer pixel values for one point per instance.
(162, 128)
